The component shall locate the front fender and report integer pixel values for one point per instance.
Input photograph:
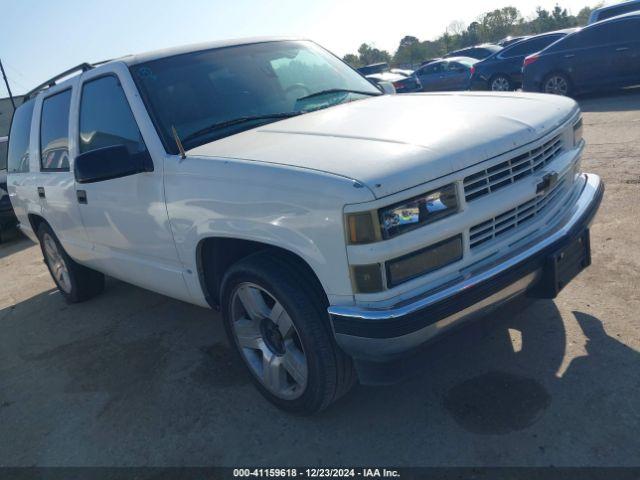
(292, 208)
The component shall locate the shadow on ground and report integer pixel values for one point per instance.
(135, 378)
(13, 242)
(621, 100)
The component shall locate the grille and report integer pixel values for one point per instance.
(510, 171)
(511, 219)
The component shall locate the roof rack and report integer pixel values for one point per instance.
(83, 67)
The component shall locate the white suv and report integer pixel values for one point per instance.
(336, 228)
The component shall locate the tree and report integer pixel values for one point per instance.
(489, 27)
(499, 23)
(409, 51)
(369, 55)
(352, 60)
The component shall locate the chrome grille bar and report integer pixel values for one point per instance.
(510, 171)
(513, 218)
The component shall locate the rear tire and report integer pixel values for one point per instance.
(501, 83)
(76, 282)
(272, 313)
(557, 84)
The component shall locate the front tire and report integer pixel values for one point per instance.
(76, 282)
(277, 321)
(557, 84)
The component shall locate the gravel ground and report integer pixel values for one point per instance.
(135, 378)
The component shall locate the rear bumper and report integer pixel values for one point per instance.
(380, 335)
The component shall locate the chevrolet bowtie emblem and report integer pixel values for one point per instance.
(547, 182)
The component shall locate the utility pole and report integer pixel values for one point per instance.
(6, 82)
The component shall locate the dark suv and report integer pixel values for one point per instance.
(602, 55)
(502, 71)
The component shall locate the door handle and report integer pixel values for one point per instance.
(81, 195)
(622, 49)
(569, 55)
(41, 192)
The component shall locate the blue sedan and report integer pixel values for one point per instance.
(446, 74)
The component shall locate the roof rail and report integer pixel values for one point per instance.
(83, 67)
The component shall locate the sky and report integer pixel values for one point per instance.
(39, 39)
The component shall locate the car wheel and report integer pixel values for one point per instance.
(501, 83)
(278, 323)
(76, 282)
(557, 84)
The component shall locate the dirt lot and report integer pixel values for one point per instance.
(134, 378)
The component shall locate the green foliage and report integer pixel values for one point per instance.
(489, 27)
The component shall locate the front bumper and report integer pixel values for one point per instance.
(380, 335)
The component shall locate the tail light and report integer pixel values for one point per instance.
(472, 70)
(530, 59)
(398, 84)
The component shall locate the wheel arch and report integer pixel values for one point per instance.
(35, 221)
(215, 255)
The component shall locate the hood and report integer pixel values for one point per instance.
(394, 142)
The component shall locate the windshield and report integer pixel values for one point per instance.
(196, 91)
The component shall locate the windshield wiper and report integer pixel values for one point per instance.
(237, 121)
(338, 90)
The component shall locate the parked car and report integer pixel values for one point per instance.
(401, 82)
(374, 68)
(402, 71)
(479, 52)
(335, 231)
(614, 10)
(446, 74)
(502, 71)
(602, 55)
(506, 41)
(428, 61)
(7, 217)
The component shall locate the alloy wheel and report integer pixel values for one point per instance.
(268, 341)
(500, 84)
(556, 85)
(56, 263)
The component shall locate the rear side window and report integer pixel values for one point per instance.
(18, 155)
(610, 33)
(615, 11)
(527, 47)
(106, 119)
(433, 68)
(3, 155)
(54, 133)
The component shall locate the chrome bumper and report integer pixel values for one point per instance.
(379, 335)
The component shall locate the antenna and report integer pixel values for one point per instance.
(183, 155)
(13, 104)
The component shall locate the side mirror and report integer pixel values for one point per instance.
(110, 162)
(387, 88)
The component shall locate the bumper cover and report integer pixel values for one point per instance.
(379, 335)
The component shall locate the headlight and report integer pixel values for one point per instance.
(577, 132)
(368, 227)
(415, 212)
